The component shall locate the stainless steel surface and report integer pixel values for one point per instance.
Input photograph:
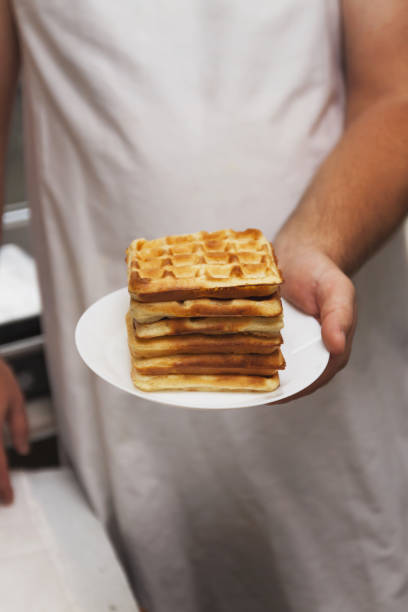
(16, 226)
(21, 347)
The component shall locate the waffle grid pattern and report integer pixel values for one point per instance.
(222, 257)
(205, 326)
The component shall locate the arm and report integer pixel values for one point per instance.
(360, 193)
(11, 401)
(9, 67)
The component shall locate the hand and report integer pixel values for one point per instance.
(315, 285)
(13, 413)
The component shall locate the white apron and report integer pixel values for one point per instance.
(144, 118)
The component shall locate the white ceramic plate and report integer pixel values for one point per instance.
(100, 338)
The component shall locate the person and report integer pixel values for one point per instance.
(153, 118)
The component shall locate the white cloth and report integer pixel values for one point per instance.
(54, 554)
(145, 118)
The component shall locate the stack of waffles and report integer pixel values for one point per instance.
(205, 312)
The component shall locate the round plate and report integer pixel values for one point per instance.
(107, 354)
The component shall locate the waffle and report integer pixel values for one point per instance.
(194, 344)
(224, 264)
(270, 306)
(257, 326)
(197, 382)
(262, 365)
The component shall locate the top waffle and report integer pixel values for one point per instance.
(223, 264)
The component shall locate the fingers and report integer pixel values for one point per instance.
(337, 305)
(12, 412)
(18, 427)
(6, 492)
(336, 301)
(17, 422)
(334, 365)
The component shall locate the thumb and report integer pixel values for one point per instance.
(336, 302)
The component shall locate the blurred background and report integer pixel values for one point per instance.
(21, 338)
(42, 551)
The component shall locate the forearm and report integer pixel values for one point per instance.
(360, 193)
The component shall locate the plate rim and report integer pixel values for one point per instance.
(155, 397)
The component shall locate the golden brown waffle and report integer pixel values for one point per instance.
(270, 306)
(194, 344)
(258, 326)
(197, 382)
(224, 264)
(261, 365)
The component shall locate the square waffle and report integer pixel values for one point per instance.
(205, 312)
(224, 264)
(193, 344)
(205, 382)
(257, 326)
(143, 312)
(261, 365)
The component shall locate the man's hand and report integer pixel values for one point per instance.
(359, 194)
(13, 414)
(315, 285)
